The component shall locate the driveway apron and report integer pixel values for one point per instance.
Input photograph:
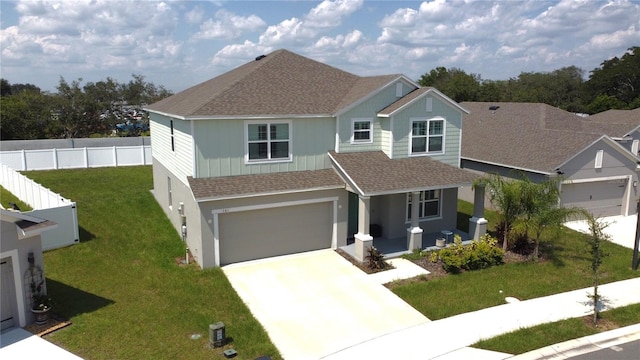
(317, 303)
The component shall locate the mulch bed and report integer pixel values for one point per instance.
(55, 322)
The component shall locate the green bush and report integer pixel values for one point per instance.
(479, 254)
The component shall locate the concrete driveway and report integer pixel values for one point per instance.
(317, 303)
(621, 228)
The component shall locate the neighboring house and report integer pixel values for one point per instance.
(593, 155)
(285, 154)
(20, 235)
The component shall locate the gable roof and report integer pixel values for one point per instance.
(280, 83)
(362, 170)
(528, 136)
(414, 96)
(615, 123)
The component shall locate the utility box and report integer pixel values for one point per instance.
(217, 336)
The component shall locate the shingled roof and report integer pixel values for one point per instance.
(373, 173)
(615, 123)
(280, 83)
(229, 187)
(528, 136)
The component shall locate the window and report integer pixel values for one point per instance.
(362, 132)
(268, 141)
(427, 136)
(428, 204)
(599, 155)
(173, 144)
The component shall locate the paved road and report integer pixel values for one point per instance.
(627, 351)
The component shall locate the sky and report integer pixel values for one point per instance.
(178, 44)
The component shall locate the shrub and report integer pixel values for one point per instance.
(479, 254)
(375, 259)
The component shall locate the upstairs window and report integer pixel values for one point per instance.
(362, 131)
(428, 204)
(268, 141)
(427, 136)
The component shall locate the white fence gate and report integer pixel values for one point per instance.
(47, 205)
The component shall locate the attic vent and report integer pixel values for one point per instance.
(494, 107)
(260, 57)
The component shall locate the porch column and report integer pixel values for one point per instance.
(363, 241)
(477, 223)
(414, 233)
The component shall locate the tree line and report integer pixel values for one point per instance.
(77, 110)
(98, 109)
(613, 85)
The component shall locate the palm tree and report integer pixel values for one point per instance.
(505, 195)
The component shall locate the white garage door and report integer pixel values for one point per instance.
(256, 234)
(601, 198)
(7, 295)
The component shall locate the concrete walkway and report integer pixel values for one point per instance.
(622, 229)
(448, 339)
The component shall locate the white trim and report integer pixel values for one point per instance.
(391, 136)
(375, 92)
(428, 218)
(194, 158)
(350, 180)
(621, 149)
(353, 131)
(605, 178)
(247, 161)
(17, 283)
(430, 90)
(428, 121)
(216, 239)
(216, 218)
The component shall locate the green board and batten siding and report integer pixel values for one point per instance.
(369, 110)
(221, 146)
(402, 128)
(179, 161)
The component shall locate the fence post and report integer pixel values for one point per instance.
(115, 156)
(55, 158)
(86, 158)
(24, 160)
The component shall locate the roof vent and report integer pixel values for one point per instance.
(260, 57)
(494, 107)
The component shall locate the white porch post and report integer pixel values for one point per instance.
(363, 240)
(477, 223)
(414, 233)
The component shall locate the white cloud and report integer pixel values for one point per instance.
(228, 25)
(331, 13)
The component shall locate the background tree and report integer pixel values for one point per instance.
(617, 78)
(454, 83)
(25, 115)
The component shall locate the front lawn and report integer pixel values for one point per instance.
(122, 288)
(566, 266)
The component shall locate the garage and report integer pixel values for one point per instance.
(273, 231)
(601, 198)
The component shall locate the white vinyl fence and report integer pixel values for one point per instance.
(73, 158)
(47, 205)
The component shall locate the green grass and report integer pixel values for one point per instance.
(568, 268)
(524, 340)
(6, 197)
(121, 286)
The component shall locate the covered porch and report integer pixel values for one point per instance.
(406, 206)
(396, 247)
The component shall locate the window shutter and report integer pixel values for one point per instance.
(429, 107)
(399, 89)
(599, 156)
(634, 147)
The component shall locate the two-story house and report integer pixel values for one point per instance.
(285, 154)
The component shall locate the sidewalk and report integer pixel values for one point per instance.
(448, 338)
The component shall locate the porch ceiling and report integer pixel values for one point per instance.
(373, 173)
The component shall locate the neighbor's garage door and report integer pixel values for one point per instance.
(601, 198)
(256, 234)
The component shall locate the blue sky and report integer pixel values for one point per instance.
(181, 43)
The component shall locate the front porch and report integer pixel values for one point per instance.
(396, 247)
